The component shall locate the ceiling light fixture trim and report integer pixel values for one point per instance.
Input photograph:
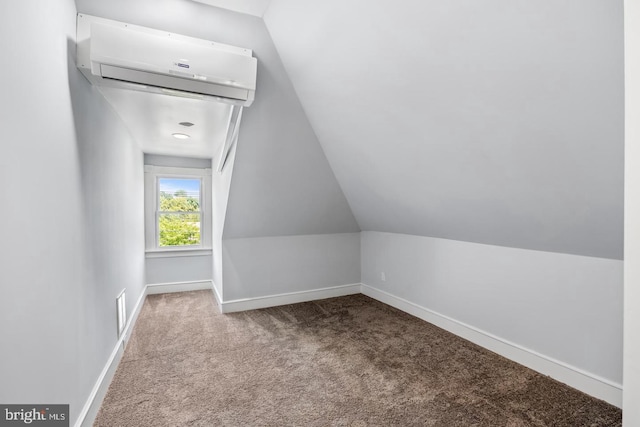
(178, 135)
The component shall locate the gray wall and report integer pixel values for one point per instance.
(282, 183)
(177, 269)
(264, 266)
(494, 122)
(565, 307)
(74, 233)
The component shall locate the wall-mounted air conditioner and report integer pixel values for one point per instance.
(111, 53)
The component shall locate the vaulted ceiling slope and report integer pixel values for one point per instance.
(494, 121)
(282, 183)
(249, 7)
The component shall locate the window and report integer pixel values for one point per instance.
(177, 209)
(178, 212)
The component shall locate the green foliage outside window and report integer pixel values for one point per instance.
(179, 228)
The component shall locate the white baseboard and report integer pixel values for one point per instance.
(92, 405)
(217, 296)
(574, 377)
(166, 288)
(288, 298)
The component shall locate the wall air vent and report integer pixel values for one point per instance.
(121, 313)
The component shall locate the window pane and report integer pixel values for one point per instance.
(179, 195)
(179, 229)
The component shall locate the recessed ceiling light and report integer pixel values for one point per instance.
(181, 136)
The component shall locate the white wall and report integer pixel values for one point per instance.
(220, 187)
(177, 269)
(71, 217)
(264, 266)
(280, 183)
(631, 409)
(287, 227)
(161, 268)
(565, 307)
(176, 162)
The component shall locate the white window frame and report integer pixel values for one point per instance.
(152, 176)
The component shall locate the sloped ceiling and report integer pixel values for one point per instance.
(282, 183)
(494, 121)
(249, 7)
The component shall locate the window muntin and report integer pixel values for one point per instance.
(179, 212)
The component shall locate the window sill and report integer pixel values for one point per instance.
(172, 253)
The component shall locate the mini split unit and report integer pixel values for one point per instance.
(111, 53)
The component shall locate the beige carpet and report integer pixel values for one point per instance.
(347, 361)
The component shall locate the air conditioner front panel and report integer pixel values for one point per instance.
(110, 52)
(171, 82)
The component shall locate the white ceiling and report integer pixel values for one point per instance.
(249, 7)
(493, 121)
(153, 118)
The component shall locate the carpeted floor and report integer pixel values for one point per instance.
(348, 361)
